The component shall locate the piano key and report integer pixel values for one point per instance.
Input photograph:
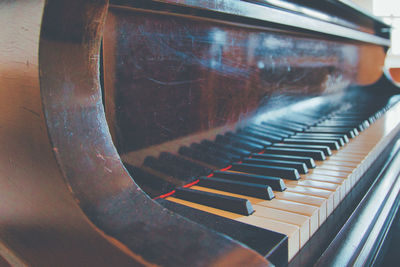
(325, 208)
(361, 124)
(323, 135)
(232, 204)
(296, 207)
(238, 142)
(311, 206)
(184, 163)
(310, 187)
(339, 141)
(259, 239)
(349, 132)
(338, 123)
(310, 163)
(322, 204)
(153, 185)
(200, 156)
(260, 134)
(315, 154)
(352, 128)
(216, 152)
(345, 182)
(290, 207)
(325, 149)
(285, 173)
(299, 166)
(333, 145)
(283, 127)
(314, 184)
(290, 124)
(167, 168)
(302, 123)
(244, 188)
(249, 138)
(272, 130)
(225, 147)
(291, 230)
(302, 221)
(275, 183)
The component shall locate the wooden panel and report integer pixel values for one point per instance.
(168, 76)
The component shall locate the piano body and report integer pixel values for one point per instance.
(213, 132)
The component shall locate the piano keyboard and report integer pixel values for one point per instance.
(285, 176)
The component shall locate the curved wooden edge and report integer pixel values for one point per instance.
(81, 142)
(40, 222)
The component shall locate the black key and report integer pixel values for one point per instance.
(359, 125)
(216, 152)
(260, 134)
(310, 163)
(227, 203)
(315, 154)
(323, 135)
(249, 138)
(243, 188)
(226, 147)
(238, 142)
(326, 150)
(299, 166)
(153, 185)
(275, 183)
(349, 132)
(261, 240)
(285, 173)
(301, 123)
(352, 127)
(272, 130)
(290, 124)
(167, 168)
(284, 127)
(204, 157)
(339, 141)
(333, 145)
(193, 167)
(364, 123)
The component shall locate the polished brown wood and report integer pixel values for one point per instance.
(170, 75)
(40, 222)
(65, 197)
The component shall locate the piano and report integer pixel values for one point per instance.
(196, 132)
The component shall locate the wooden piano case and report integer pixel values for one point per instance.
(80, 82)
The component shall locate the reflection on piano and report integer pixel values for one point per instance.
(195, 132)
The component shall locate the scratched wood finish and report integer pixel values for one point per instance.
(65, 198)
(168, 75)
(40, 222)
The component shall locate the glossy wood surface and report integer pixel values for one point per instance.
(66, 199)
(170, 76)
(40, 222)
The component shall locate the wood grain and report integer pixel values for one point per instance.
(65, 198)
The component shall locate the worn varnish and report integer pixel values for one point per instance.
(168, 76)
(65, 198)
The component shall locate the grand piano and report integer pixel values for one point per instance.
(196, 132)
